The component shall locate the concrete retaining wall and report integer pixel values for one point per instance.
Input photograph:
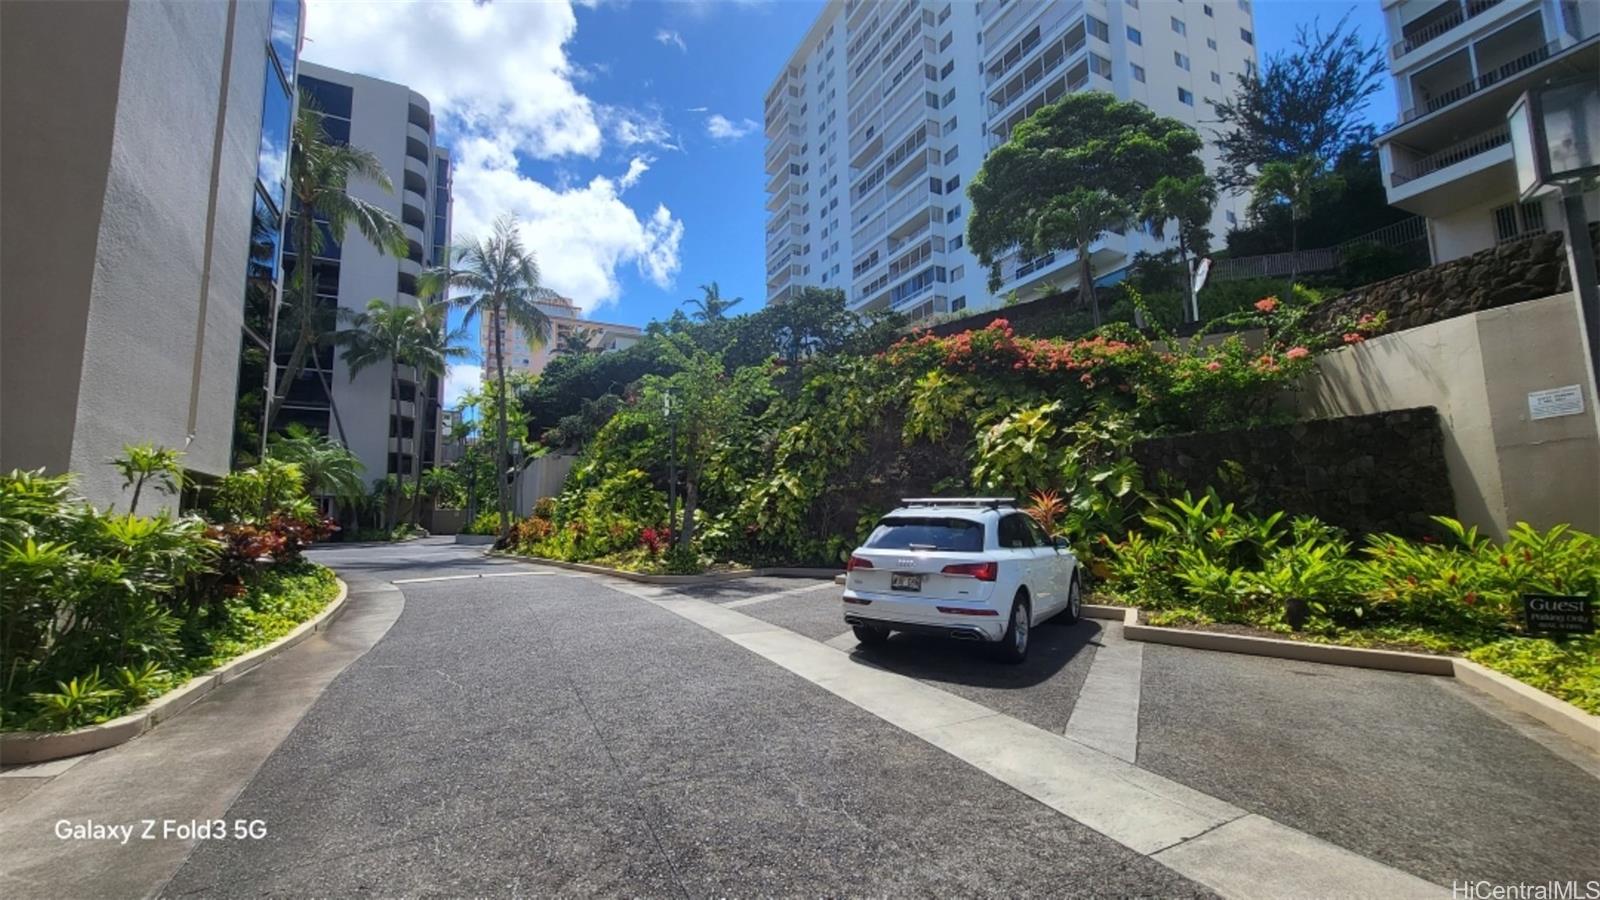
(1477, 371)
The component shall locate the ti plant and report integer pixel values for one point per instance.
(142, 464)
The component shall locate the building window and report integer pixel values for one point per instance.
(1178, 26)
(960, 303)
(950, 126)
(1518, 220)
(1232, 219)
(948, 68)
(949, 96)
(944, 43)
(1246, 36)
(957, 272)
(1244, 5)
(1211, 43)
(951, 185)
(286, 34)
(1138, 73)
(944, 14)
(1098, 28)
(1185, 97)
(1206, 8)
(956, 242)
(330, 99)
(952, 215)
(1100, 65)
(1216, 78)
(1180, 60)
(1134, 37)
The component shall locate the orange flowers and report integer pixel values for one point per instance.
(1267, 304)
(1352, 337)
(1297, 353)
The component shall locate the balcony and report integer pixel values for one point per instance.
(1436, 22)
(413, 208)
(779, 153)
(782, 277)
(417, 142)
(791, 194)
(1461, 174)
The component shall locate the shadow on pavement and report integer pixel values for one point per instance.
(969, 663)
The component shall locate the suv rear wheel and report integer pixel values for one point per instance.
(870, 634)
(1014, 645)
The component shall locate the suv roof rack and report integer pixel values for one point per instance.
(990, 502)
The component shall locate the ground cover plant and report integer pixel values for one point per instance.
(1200, 561)
(102, 611)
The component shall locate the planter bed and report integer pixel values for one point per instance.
(22, 747)
(729, 574)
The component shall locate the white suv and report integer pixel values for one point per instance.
(974, 568)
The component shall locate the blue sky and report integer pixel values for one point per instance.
(624, 133)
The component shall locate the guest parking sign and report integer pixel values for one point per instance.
(1556, 614)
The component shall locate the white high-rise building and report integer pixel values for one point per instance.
(394, 123)
(1458, 67)
(885, 111)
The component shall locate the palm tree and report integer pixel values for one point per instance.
(712, 306)
(320, 172)
(1086, 214)
(499, 278)
(1293, 184)
(580, 341)
(1188, 202)
(430, 348)
(329, 468)
(382, 333)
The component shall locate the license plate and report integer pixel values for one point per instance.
(900, 582)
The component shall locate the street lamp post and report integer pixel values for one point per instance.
(672, 468)
(1555, 143)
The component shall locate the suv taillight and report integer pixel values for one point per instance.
(857, 562)
(984, 571)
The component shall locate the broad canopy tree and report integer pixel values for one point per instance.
(1072, 172)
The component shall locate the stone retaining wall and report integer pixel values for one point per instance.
(1366, 474)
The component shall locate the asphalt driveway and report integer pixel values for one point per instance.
(524, 731)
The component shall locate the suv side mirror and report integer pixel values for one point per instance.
(1062, 543)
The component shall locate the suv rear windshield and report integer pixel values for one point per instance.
(907, 533)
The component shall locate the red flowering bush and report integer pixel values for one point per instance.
(654, 540)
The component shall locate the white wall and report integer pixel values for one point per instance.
(159, 330)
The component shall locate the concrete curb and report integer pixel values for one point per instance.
(21, 747)
(1332, 654)
(475, 539)
(1102, 611)
(1558, 714)
(709, 578)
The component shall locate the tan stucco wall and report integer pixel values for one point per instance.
(1477, 371)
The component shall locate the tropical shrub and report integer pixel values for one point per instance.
(101, 611)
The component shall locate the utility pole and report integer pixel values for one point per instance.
(672, 469)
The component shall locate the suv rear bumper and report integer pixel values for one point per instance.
(958, 632)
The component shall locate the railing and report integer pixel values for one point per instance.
(1440, 26)
(1522, 63)
(1451, 155)
(1320, 259)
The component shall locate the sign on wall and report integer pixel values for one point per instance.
(1557, 614)
(1554, 402)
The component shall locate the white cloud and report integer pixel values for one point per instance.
(460, 378)
(722, 128)
(503, 90)
(582, 234)
(671, 39)
(636, 169)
